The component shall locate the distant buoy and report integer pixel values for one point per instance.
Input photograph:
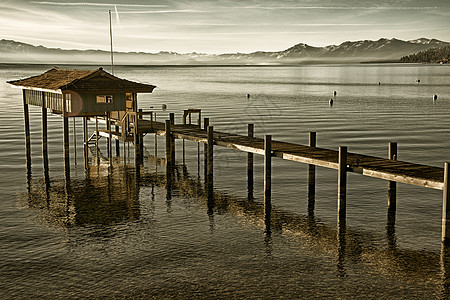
(335, 93)
(164, 107)
(331, 102)
(418, 80)
(379, 83)
(435, 97)
(248, 96)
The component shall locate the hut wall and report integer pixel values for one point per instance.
(90, 104)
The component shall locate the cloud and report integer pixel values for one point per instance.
(95, 4)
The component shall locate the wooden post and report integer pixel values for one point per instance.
(168, 152)
(342, 183)
(210, 163)
(141, 137)
(446, 207)
(312, 177)
(172, 122)
(392, 185)
(117, 140)
(96, 139)
(137, 147)
(267, 180)
(66, 141)
(27, 130)
(44, 139)
(199, 122)
(85, 141)
(250, 178)
(205, 150)
(75, 139)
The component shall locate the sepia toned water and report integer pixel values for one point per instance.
(116, 233)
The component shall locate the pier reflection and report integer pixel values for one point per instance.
(104, 197)
(109, 195)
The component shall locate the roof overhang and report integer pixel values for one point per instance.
(59, 91)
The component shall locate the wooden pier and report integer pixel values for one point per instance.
(90, 94)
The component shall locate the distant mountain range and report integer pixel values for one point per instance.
(382, 50)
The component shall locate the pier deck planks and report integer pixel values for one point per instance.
(377, 167)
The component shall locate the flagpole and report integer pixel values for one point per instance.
(111, 42)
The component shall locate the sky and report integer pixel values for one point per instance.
(208, 26)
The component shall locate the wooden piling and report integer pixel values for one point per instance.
(446, 206)
(117, 141)
(44, 139)
(168, 142)
(74, 133)
(96, 139)
(85, 141)
(66, 144)
(137, 146)
(141, 137)
(27, 130)
(312, 177)
(210, 161)
(250, 177)
(342, 183)
(172, 122)
(392, 185)
(267, 180)
(205, 149)
(168, 154)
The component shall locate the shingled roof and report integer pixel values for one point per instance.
(57, 79)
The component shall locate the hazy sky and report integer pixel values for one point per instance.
(210, 26)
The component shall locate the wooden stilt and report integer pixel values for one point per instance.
(250, 178)
(66, 146)
(311, 177)
(85, 141)
(137, 146)
(172, 122)
(446, 206)
(75, 139)
(109, 139)
(141, 138)
(392, 185)
(27, 130)
(267, 180)
(210, 163)
(117, 141)
(44, 140)
(205, 150)
(168, 152)
(342, 183)
(96, 139)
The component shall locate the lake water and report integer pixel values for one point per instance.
(115, 233)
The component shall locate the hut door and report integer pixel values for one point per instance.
(130, 102)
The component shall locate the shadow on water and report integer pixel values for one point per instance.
(109, 195)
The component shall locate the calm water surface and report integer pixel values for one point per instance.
(116, 233)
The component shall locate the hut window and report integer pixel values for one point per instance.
(104, 99)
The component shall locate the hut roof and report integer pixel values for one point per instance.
(57, 80)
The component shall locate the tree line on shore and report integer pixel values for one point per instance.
(432, 56)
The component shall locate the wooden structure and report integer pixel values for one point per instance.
(81, 93)
(74, 93)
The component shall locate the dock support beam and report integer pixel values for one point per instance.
(27, 130)
(342, 184)
(250, 177)
(311, 177)
(141, 138)
(205, 149)
(66, 146)
(446, 207)
(392, 185)
(44, 141)
(267, 181)
(210, 161)
(85, 141)
(117, 141)
(172, 122)
(168, 152)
